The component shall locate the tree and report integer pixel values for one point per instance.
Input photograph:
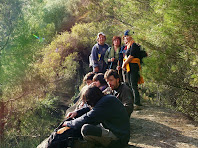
(168, 30)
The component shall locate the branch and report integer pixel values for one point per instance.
(186, 87)
(17, 98)
(10, 29)
(5, 43)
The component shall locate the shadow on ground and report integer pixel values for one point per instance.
(150, 133)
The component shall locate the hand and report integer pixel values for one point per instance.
(124, 66)
(64, 124)
(112, 59)
(81, 105)
(71, 114)
(118, 67)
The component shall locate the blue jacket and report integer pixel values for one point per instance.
(98, 52)
(110, 112)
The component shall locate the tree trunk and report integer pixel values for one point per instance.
(2, 122)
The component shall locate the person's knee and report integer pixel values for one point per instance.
(90, 130)
(85, 129)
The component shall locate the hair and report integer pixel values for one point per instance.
(89, 76)
(111, 72)
(130, 37)
(100, 77)
(92, 95)
(116, 37)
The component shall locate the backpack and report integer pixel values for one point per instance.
(143, 54)
(61, 140)
(91, 62)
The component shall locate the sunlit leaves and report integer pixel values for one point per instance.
(168, 30)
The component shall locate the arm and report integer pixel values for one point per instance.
(77, 113)
(94, 53)
(106, 56)
(82, 111)
(128, 60)
(118, 66)
(127, 99)
(134, 48)
(95, 116)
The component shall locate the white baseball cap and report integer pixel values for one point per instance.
(100, 33)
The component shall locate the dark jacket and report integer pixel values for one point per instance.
(111, 113)
(125, 95)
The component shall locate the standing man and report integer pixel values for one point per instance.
(98, 52)
(120, 90)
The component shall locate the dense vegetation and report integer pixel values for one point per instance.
(44, 48)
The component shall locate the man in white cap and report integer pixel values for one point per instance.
(98, 52)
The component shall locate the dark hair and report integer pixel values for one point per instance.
(111, 72)
(100, 77)
(116, 37)
(89, 76)
(92, 95)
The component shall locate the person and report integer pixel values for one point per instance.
(120, 90)
(106, 110)
(131, 63)
(98, 52)
(87, 80)
(121, 57)
(99, 81)
(112, 54)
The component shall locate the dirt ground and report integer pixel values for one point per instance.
(157, 127)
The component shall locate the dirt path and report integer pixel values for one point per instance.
(156, 127)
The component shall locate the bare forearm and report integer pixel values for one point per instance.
(128, 60)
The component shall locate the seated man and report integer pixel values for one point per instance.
(120, 90)
(108, 111)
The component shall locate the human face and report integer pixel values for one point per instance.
(101, 39)
(127, 39)
(97, 83)
(113, 82)
(89, 82)
(116, 42)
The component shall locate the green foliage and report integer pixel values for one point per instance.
(32, 126)
(21, 82)
(168, 31)
(31, 67)
(56, 12)
(59, 63)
